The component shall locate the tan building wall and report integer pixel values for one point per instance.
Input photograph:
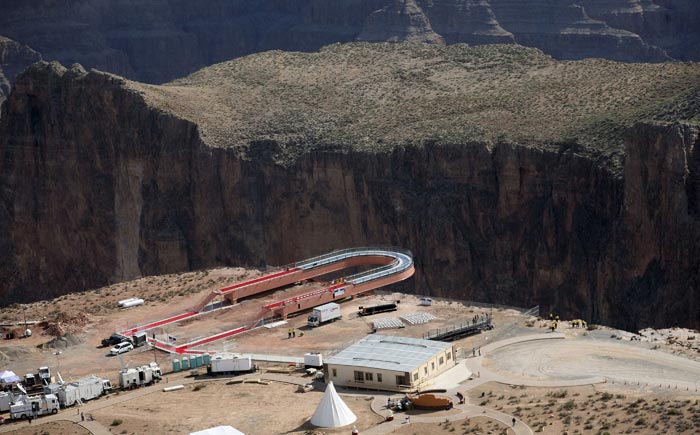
(383, 379)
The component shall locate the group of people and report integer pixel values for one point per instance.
(292, 333)
(480, 318)
(400, 405)
(578, 323)
(554, 322)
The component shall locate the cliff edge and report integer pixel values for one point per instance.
(593, 214)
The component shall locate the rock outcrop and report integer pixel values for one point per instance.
(100, 184)
(399, 21)
(14, 58)
(155, 41)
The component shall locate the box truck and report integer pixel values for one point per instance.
(324, 314)
(226, 364)
(140, 376)
(34, 406)
(82, 390)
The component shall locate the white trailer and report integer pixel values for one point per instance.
(313, 360)
(140, 376)
(131, 302)
(7, 399)
(83, 390)
(34, 406)
(323, 314)
(229, 364)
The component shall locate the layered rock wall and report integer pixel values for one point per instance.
(98, 187)
(157, 41)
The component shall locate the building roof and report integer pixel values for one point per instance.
(389, 352)
(219, 430)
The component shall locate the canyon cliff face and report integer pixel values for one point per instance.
(14, 58)
(98, 187)
(157, 41)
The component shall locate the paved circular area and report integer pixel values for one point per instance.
(573, 359)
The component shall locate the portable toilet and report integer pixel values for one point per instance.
(193, 362)
(185, 363)
(206, 359)
(176, 365)
(199, 360)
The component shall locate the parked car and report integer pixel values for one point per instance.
(121, 348)
(114, 339)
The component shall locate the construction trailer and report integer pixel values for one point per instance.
(140, 376)
(80, 391)
(34, 406)
(384, 308)
(226, 364)
(139, 339)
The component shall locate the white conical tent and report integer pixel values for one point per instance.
(332, 411)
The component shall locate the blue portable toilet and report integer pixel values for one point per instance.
(206, 359)
(199, 360)
(176, 365)
(193, 362)
(185, 363)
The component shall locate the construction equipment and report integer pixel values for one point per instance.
(35, 382)
(323, 314)
(34, 406)
(226, 364)
(140, 376)
(368, 311)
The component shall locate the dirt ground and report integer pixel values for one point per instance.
(477, 425)
(250, 408)
(591, 409)
(277, 408)
(172, 294)
(54, 428)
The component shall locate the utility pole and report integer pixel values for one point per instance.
(24, 313)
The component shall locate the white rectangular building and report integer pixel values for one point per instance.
(386, 362)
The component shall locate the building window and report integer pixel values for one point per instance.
(442, 360)
(368, 376)
(379, 377)
(415, 376)
(335, 373)
(432, 365)
(400, 380)
(425, 370)
(449, 355)
(359, 377)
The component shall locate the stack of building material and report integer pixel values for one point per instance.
(418, 318)
(387, 323)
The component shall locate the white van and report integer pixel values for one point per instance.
(121, 348)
